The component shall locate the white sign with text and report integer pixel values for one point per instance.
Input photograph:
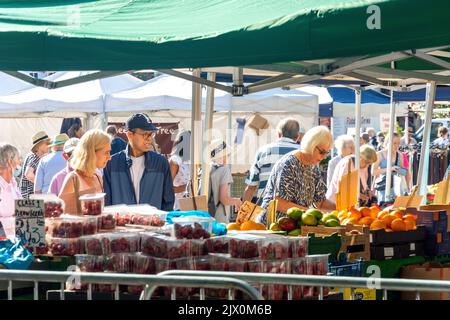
(30, 222)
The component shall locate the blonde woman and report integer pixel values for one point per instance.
(399, 168)
(368, 156)
(297, 178)
(91, 153)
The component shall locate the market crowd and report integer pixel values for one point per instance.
(134, 172)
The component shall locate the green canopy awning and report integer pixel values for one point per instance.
(159, 34)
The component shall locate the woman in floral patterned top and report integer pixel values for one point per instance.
(297, 178)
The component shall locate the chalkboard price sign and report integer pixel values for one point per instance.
(30, 222)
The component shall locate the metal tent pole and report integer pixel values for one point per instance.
(357, 134)
(196, 132)
(422, 177)
(209, 112)
(389, 153)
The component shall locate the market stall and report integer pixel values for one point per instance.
(187, 35)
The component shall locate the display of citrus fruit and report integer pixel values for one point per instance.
(233, 226)
(410, 216)
(409, 224)
(388, 219)
(251, 225)
(398, 225)
(377, 225)
(398, 214)
(366, 221)
(381, 214)
(365, 212)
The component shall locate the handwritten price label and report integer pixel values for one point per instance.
(30, 222)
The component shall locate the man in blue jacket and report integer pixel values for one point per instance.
(136, 174)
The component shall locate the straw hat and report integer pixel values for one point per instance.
(70, 145)
(59, 139)
(39, 137)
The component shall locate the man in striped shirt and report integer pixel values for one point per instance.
(289, 134)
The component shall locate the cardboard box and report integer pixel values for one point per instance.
(426, 272)
(439, 207)
(194, 203)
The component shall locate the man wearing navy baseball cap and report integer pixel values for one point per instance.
(136, 174)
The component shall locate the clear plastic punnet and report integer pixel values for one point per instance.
(298, 247)
(92, 204)
(53, 206)
(316, 265)
(64, 246)
(192, 227)
(274, 248)
(245, 245)
(70, 226)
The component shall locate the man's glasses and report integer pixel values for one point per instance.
(322, 152)
(146, 135)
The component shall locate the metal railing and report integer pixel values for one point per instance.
(123, 279)
(322, 282)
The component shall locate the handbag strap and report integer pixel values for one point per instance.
(193, 195)
(76, 187)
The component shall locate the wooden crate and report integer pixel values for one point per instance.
(356, 246)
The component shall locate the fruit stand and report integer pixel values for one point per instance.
(143, 240)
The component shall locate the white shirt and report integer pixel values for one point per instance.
(137, 170)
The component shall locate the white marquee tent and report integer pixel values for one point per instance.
(168, 99)
(26, 109)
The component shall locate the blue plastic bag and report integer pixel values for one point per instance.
(217, 228)
(15, 255)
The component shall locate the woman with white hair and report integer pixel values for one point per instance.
(220, 181)
(368, 156)
(9, 192)
(297, 178)
(92, 152)
(345, 146)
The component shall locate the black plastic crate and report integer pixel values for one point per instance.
(397, 251)
(343, 268)
(381, 237)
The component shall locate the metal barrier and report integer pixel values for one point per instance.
(290, 280)
(124, 279)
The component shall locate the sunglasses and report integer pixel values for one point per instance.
(323, 152)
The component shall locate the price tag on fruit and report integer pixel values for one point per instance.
(30, 222)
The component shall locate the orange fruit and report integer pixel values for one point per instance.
(374, 210)
(398, 214)
(377, 225)
(398, 225)
(366, 221)
(381, 214)
(409, 224)
(260, 226)
(388, 219)
(234, 226)
(410, 216)
(365, 212)
(354, 215)
(248, 225)
(389, 230)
